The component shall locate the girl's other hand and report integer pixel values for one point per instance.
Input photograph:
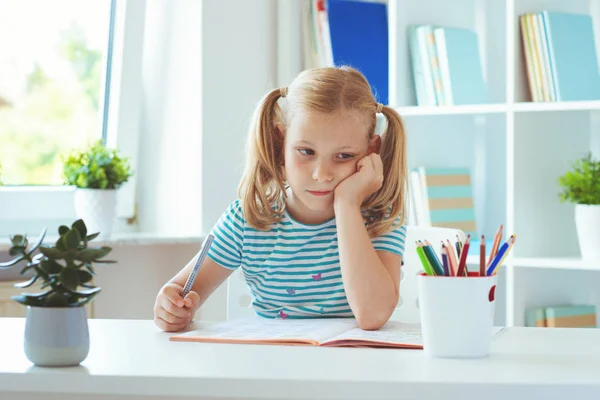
(171, 311)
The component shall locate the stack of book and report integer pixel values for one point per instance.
(560, 56)
(442, 197)
(574, 316)
(446, 66)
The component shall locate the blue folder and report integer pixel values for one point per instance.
(359, 38)
(572, 55)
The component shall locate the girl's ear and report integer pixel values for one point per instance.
(375, 144)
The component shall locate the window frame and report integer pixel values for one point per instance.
(122, 125)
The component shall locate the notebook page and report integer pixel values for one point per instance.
(258, 329)
(393, 332)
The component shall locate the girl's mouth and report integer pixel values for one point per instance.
(319, 192)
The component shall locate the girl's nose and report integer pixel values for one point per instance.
(322, 173)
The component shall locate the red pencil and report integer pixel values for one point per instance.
(463, 257)
(482, 256)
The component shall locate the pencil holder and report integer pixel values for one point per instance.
(457, 314)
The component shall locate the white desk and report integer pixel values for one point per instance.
(135, 358)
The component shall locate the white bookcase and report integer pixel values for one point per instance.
(516, 149)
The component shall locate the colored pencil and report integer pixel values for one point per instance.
(452, 258)
(459, 246)
(423, 259)
(436, 267)
(445, 260)
(482, 256)
(436, 260)
(463, 257)
(514, 239)
(495, 244)
(500, 256)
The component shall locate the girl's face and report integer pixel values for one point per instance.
(321, 150)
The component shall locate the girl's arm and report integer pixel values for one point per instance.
(371, 278)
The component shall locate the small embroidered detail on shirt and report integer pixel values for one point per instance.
(317, 277)
(322, 310)
(282, 314)
(291, 291)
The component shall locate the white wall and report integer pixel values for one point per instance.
(205, 69)
(170, 155)
(238, 69)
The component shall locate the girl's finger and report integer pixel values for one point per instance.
(377, 163)
(170, 318)
(173, 309)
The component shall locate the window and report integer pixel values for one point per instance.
(52, 79)
(70, 72)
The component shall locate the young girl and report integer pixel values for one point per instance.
(318, 229)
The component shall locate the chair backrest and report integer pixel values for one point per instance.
(238, 294)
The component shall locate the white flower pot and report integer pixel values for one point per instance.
(56, 336)
(97, 209)
(587, 222)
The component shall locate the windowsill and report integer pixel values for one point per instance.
(123, 240)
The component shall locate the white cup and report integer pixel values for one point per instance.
(457, 315)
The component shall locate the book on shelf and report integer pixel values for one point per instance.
(446, 65)
(443, 197)
(326, 332)
(354, 33)
(560, 56)
(563, 316)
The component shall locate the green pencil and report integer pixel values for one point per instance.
(424, 261)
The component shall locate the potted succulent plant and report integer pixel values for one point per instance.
(581, 186)
(56, 328)
(97, 172)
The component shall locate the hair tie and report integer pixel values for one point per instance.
(283, 91)
(379, 108)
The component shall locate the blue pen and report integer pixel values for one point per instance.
(498, 257)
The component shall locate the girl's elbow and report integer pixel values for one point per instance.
(372, 321)
(370, 324)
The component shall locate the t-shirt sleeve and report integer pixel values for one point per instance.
(226, 249)
(393, 241)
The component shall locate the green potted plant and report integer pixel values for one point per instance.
(56, 328)
(97, 172)
(581, 186)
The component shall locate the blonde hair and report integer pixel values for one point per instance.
(326, 90)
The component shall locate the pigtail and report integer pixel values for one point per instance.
(261, 189)
(387, 206)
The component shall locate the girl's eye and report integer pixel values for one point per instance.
(345, 156)
(306, 152)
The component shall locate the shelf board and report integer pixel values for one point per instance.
(555, 263)
(556, 106)
(475, 109)
(498, 108)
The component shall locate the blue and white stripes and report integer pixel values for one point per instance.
(292, 269)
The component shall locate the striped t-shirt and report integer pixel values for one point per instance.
(292, 269)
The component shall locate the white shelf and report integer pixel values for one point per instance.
(556, 106)
(474, 109)
(499, 108)
(516, 149)
(555, 263)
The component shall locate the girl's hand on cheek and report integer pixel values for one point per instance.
(360, 185)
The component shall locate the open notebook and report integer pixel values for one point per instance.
(315, 332)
